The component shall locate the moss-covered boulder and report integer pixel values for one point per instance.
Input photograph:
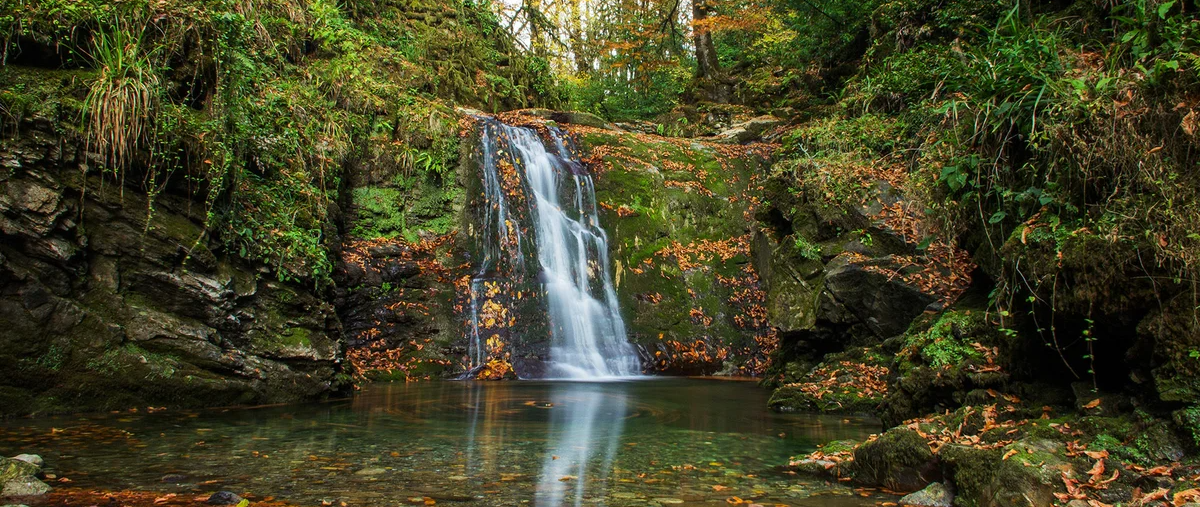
(18, 478)
(899, 460)
(942, 359)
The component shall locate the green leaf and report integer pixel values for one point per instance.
(1164, 8)
(244, 503)
(997, 217)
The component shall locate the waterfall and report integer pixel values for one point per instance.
(528, 181)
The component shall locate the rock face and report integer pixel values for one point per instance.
(102, 308)
(678, 217)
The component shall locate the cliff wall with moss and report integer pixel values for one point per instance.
(210, 202)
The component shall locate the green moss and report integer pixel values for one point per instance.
(1188, 419)
(296, 337)
(947, 343)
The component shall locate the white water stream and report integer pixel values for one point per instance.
(589, 339)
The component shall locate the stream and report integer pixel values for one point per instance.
(659, 441)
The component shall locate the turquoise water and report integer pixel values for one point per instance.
(648, 442)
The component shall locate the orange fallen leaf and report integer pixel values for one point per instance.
(1009, 454)
(1093, 404)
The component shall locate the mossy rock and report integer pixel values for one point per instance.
(860, 374)
(899, 460)
(654, 193)
(1027, 479)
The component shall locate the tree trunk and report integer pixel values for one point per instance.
(708, 66)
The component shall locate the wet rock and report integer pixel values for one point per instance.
(223, 498)
(934, 495)
(32, 459)
(899, 460)
(25, 486)
(12, 469)
(817, 467)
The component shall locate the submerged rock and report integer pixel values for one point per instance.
(223, 498)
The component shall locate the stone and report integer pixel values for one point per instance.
(934, 495)
(886, 304)
(25, 486)
(13, 469)
(32, 459)
(899, 460)
(223, 498)
(371, 471)
(748, 131)
(1028, 479)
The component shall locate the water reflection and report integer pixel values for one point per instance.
(471, 443)
(585, 433)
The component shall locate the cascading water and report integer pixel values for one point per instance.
(526, 181)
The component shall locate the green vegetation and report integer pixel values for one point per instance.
(258, 109)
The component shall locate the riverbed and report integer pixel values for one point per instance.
(643, 442)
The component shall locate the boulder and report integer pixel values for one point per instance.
(18, 476)
(885, 304)
(749, 131)
(899, 460)
(25, 486)
(934, 495)
(11, 469)
(32, 459)
(1028, 479)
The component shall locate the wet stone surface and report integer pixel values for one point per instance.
(648, 442)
